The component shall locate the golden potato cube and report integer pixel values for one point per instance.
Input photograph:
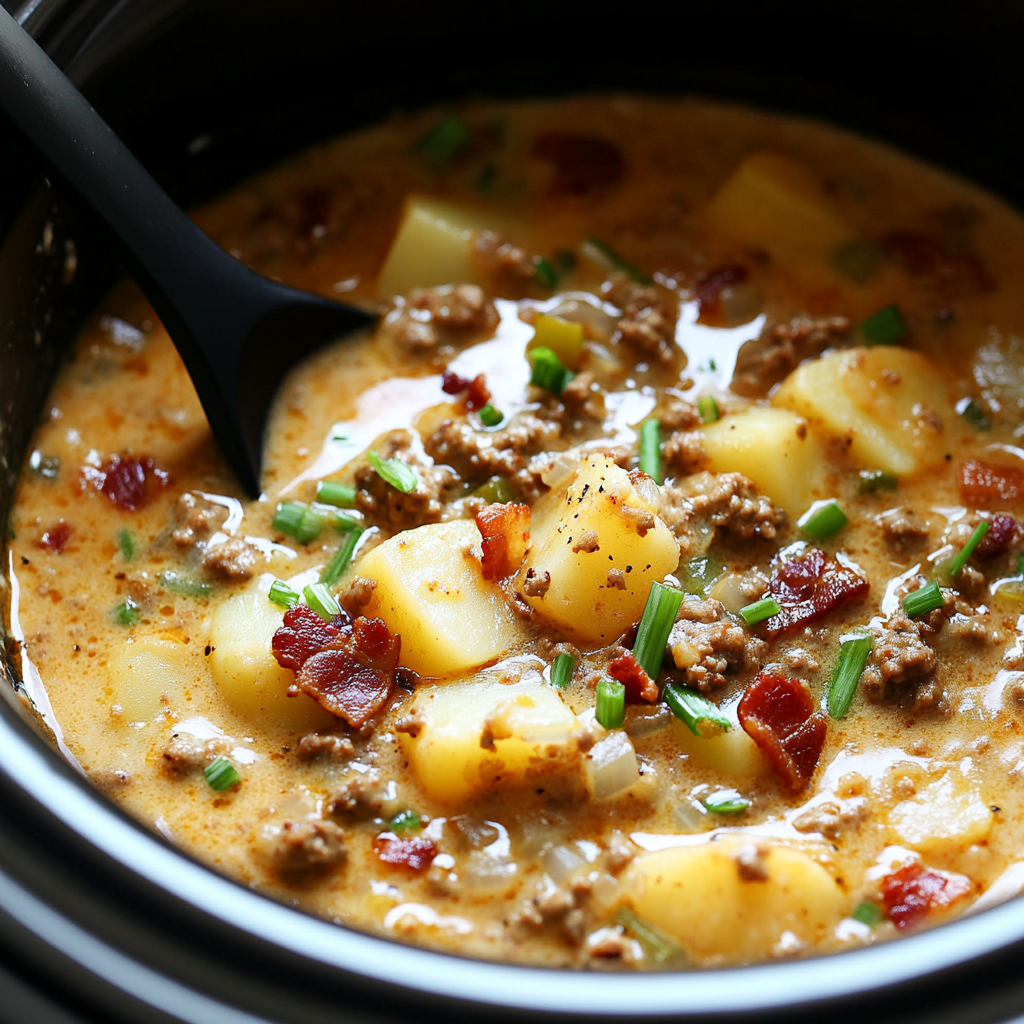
(775, 449)
(731, 753)
(701, 896)
(946, 816)
(890, 403)
(777, 204)
(149, 675)
(595, 529)
(479, 734)
(246, 671)
(431, 592)
(563, 337)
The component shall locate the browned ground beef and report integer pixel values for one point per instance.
(707, 646)
(782, 348)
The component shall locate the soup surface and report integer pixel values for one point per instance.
(643, 593)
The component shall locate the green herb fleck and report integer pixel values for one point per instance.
(395, 472)
(127, 545)
(444, 141)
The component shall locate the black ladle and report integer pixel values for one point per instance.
(237, 332)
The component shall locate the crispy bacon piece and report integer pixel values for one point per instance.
(984, 484)
(958, 274)
(56, 537)
(582, 163)
(477, 393)
(709, 290)
(453, 384)
(639, 685)
(505, 529)
(808, 586)
(910, 892)
(125, 479)
(302, 635)
(1003, 533)
(413, 854)
(778, 714)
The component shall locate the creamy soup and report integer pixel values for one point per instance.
(644, 591)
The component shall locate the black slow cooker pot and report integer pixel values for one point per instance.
(100, 919)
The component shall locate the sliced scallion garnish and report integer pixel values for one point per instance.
(868, 913)
(758, 611)
(343, 556)
(126, 543)
(321, 600)
(960, 559)
(548, 371)
(693, 709)
(333, 492)
(221, 774)
(655, 625)
(310, 525)
(726, 801)
(562, 669)
(189, 586)
(658, 947)
(611, 704)
(288, 517)
(874, 480)
(650, 449)
(489, 416)
(280, 593)
(444, 141)
(708, 409)
(920, 602)
(823, 519)
(853, 656)
(395, 472)
(126, 613)
(885, 327)
(405, 821)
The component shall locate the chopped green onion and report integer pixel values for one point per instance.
(189, 586)
(655, 625)
(868, 913)
(823, 519)
(726, 801)
(332, 492)
(489, 416)
(395, 472)
(1020, 564)
(444, 141)
(321, 600)
(708, 409)
(960, 559)
(693, 709)
(280, 593)
(885, 327)
(698, 574)
(603, 253)
(662, 949)
(920, 602)
(405, 821)
(853, 656)
(126, 613)
(549, 371)
(221, 774)
(650, 449)
(343, 556)
(495, 489)
(874, 480)
(760, 610)
(970, 409)
(310, 525)
(127, 545)
(857, 259)
(562, 669)
(611, 704)
(485, 179)
(564, 262)
(545, 273)
(288, 517)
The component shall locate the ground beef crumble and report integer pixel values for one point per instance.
(727, 500)
(902, 528)
(417, 322)
(647, 323)
(337, 748)
(306, 850)
(706, 646)
(782, 348)
(231, 559)
(186, 753)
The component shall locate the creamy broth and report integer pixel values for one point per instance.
(849, 320)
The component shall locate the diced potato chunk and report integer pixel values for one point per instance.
(432, 593)
(945, 817)
(775, 449)
(593, 530)
(890, 403)
(245, 669)
(777, 204)
(150, 675)
(432, 247)
(481, 733)
(698, 895)
(732, 753)
(563, 337)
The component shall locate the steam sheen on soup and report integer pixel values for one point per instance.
(645, 591)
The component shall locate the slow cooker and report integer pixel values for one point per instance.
(100, 918)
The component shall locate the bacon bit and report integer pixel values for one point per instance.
(778, 715)
(582, 163)
(910, 892)
(709, 290)
(124, 480)
(984, 484)
(55, 537)
(1004, 531)
(302, 635)
(453, 384)
(639, 685)
(412, 854)
(478, 395)
(808, 587)
(505, 529)
(958, 274)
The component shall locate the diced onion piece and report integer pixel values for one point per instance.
(611, 766)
